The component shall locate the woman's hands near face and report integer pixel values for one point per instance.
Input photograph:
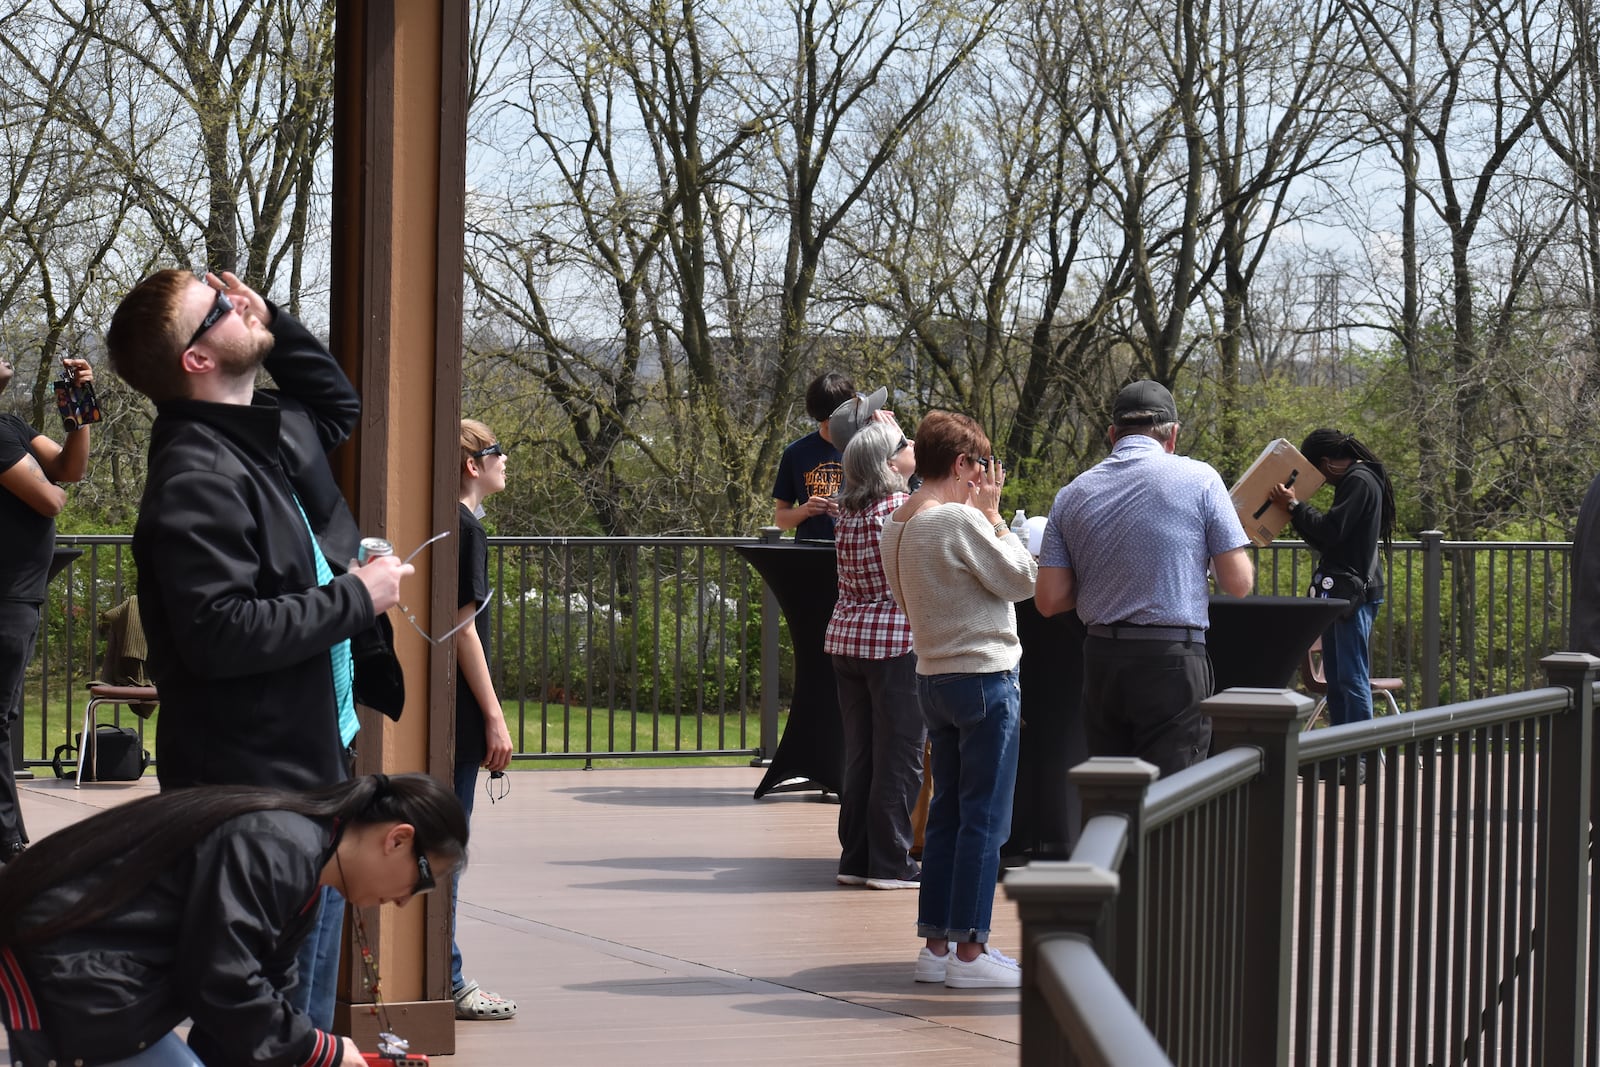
(983, 488)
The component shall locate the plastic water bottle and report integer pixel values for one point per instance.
(1019, 523)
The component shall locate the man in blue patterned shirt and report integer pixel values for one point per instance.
(1129, 543)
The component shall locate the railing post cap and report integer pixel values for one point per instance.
(1560, 667)
(1049, 881)
(1244, 702)
(1569, 661)
(1114, 771)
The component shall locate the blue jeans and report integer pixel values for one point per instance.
(1347, 666)
(318, 962)
(973, 723)
(466, 781)
(170, 1051)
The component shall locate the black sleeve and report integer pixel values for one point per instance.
(303, 368)
(787, 484)
(198, 525)
(472, 569)
(1584, 622)
(15, 437)
(1353, 503)
(249, 889)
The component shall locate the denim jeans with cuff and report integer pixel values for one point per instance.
(973, 723)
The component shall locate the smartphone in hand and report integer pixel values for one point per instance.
(76, 403)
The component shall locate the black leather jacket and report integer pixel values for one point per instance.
(212, 939)
(238, 628)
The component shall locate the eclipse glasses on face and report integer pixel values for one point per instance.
(220, 306)
(425, 880)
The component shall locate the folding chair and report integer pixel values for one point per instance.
(1311, 677)
(124, 663)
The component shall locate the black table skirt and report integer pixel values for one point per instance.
(804, 579)
(62, 557)
(1045, 813)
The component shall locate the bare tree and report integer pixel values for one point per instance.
(608, 186)
(855, 79)
(235, 186)
(1465, 85)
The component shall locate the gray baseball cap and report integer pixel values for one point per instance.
(853, 414)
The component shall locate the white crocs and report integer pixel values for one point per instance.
(473, 1002)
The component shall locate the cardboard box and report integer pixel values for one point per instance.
(1280, 463)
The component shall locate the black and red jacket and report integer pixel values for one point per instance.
(212, 939)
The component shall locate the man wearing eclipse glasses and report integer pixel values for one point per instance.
(248, 586)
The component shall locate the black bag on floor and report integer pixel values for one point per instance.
(113, 752)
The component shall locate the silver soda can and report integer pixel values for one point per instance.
(373, 546)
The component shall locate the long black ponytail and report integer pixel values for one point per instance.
(1335, 444)
(122, 850)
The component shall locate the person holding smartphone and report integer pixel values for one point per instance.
(811, 470)
(32, 466)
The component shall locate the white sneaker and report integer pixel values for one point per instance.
(895, 883)
(850, 879)
(989, 971)
(931, 968)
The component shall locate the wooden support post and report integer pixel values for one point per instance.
(399, 180)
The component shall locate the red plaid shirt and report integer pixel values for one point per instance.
(866, 623)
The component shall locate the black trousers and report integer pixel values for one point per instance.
(1142, 698)
(19, 628)
(883, 735)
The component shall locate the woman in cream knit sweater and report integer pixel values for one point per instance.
(956, 570)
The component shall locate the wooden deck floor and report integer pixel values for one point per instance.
(657, 917)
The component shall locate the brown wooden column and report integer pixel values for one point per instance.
(399, 178)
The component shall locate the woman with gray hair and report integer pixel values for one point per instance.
(876, 671)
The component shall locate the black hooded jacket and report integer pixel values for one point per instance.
(1347, 537)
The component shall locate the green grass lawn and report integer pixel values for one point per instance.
(554, 728)
(541, 728)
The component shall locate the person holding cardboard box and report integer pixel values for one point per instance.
(1348, 565)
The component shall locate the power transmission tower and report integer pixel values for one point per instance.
(1326, 342)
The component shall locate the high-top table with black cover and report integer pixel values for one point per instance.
(1259, 641)
(804, 578)
(1254, 641)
